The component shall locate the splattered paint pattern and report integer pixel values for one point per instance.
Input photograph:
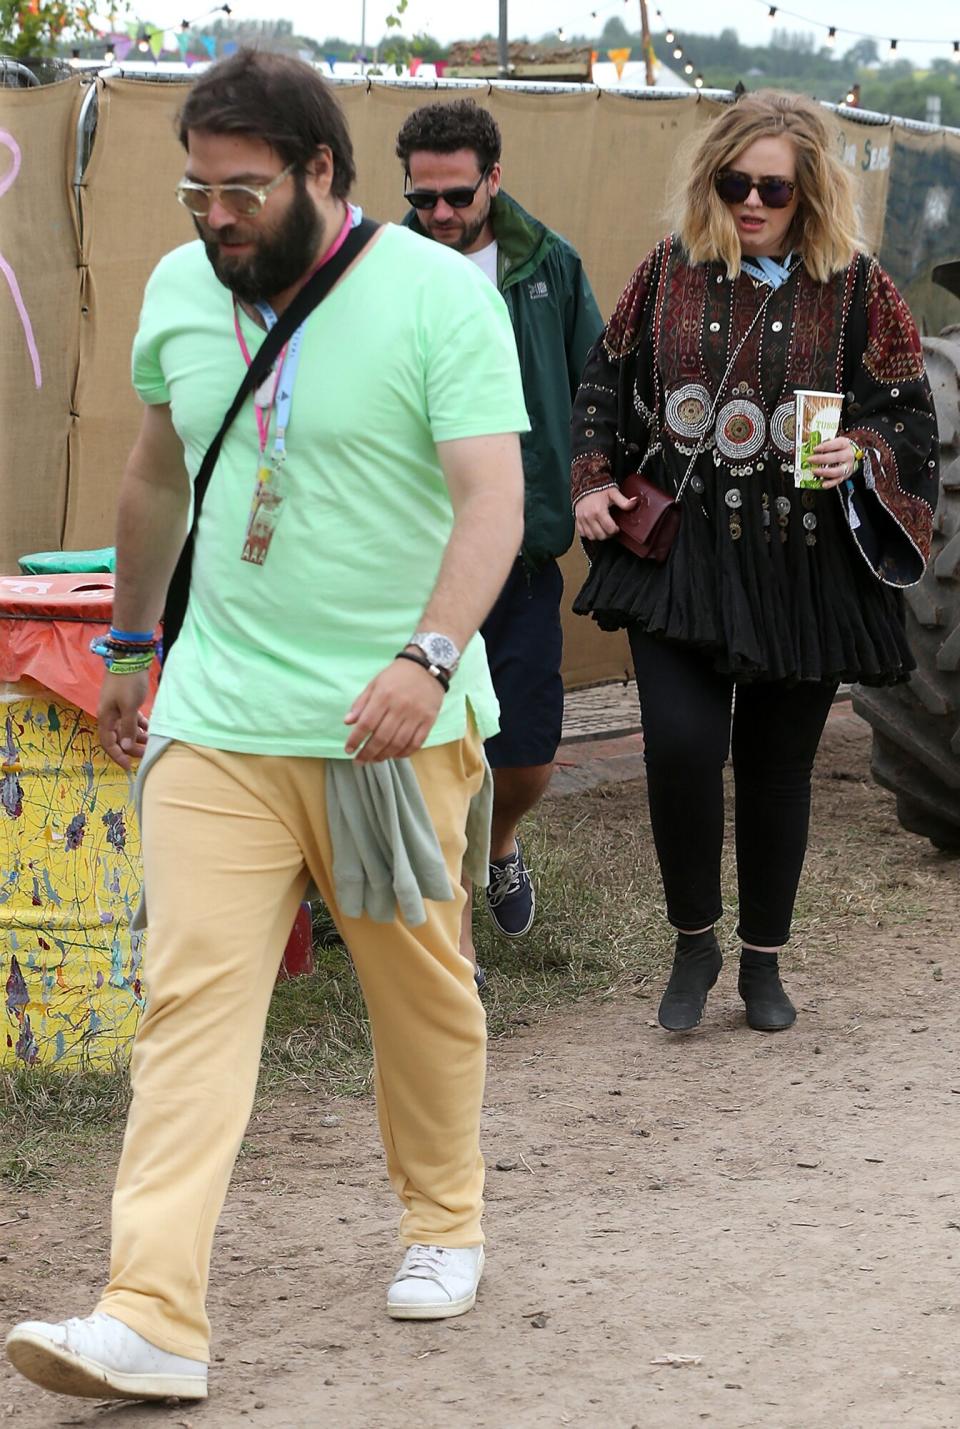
(70, 969)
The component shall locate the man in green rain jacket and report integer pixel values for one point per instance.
(451, 159)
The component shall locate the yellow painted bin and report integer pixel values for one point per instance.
(71, 972)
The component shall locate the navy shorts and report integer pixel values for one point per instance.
(524, 640)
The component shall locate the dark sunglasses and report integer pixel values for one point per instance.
(456, 198)
(735, 187)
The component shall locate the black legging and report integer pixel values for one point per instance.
(686, 711)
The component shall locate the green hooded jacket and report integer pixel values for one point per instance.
(556, 321)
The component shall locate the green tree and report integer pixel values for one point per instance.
(906, 95)
(863, 53)
(276, 35)
(32, 29)
(800, 40)
(427, 47)
(396, 50)
(726, 49)
(615, 35)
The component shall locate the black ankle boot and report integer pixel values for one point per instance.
(769, 1009)
(696, 967)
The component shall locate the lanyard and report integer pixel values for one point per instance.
(769, 270)
(276, 392)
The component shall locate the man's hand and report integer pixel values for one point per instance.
(122, 728)
(394, 714)
(592, 513)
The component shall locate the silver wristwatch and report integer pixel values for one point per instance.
(439, 649)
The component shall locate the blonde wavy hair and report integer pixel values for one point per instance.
(824, 230)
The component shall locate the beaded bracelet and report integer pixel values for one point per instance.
(124, 657)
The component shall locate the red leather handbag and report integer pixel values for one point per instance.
(649, 528)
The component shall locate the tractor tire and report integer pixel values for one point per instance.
(916, 740)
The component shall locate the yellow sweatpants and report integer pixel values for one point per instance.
(228, 841)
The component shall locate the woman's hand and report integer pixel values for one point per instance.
(592, 513)
(834, 461)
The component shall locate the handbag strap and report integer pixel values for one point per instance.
(309, 297)
(708, 426)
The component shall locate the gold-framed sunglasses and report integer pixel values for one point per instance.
(242, 200)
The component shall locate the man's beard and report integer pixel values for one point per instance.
(466, 237)
(280, 259)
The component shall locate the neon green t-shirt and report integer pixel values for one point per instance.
(412, 348)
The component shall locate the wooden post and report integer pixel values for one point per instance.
(647, 44)
(504, 44)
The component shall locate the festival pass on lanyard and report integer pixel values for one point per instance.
(272, 403)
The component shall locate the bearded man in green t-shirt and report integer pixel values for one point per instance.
(322, 713)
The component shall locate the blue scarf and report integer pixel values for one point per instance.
(768, 270)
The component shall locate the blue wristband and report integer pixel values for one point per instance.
(131, 637)
(123, 661)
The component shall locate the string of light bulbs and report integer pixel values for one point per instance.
(678, 54)
(689, 68)
(834, 30)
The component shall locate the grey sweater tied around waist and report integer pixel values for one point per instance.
(386, 855)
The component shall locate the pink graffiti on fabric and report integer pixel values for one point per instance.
(9, 142)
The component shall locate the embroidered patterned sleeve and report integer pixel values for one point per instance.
(614, 361)
(890, 415)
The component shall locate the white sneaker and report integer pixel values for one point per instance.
(102, 1358)
(435, 1282)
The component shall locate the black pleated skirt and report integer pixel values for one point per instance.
(769, 593)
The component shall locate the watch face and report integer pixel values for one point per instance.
(439, 650)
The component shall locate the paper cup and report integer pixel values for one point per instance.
(817, 420)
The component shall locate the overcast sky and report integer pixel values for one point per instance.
(465, 19)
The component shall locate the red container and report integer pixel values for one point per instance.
(46, 625)
(297, 958)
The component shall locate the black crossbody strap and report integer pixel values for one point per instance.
(309, 297)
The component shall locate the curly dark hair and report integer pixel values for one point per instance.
(277, 99)
(445, 128)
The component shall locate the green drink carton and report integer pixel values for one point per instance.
(817, 420)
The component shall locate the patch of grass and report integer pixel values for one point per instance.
(599, 928)
(49, 1117)
(862, 869)
(600, 932)
(317, 1026)
(30, 1167)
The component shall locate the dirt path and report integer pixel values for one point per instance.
(783, 1208)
